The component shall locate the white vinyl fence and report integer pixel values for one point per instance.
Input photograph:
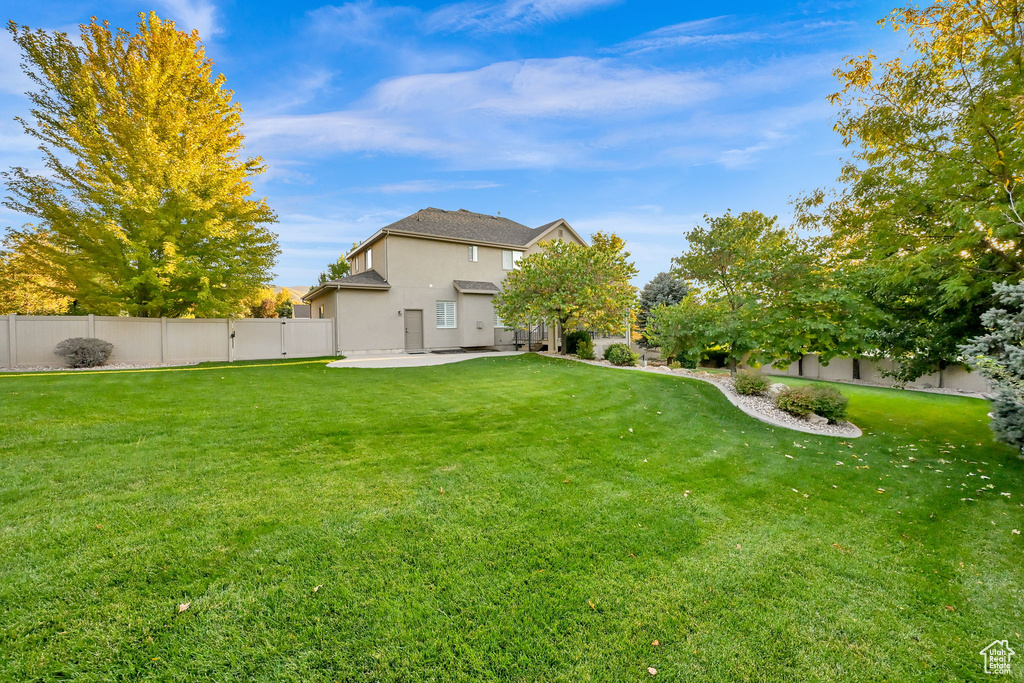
(29, 340)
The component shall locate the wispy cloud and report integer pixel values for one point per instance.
(429, 186)
(523, 114)
(364, 22)
(508, 16)
(728, 31)
(557, 113)
(194, 14)
(567, 86)
(699, 33)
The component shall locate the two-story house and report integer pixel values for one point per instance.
(427, 281)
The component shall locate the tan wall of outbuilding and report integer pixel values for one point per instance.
(871, 372)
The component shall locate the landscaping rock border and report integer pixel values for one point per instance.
(758, 407)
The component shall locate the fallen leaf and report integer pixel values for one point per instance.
(592, 606)
(950, 608)
(655, 643)
(316, 588)
(651, 670)
(184, 606)
(442, 490)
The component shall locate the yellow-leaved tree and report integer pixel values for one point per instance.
(147, 203)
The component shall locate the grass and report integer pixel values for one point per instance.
(493, 519)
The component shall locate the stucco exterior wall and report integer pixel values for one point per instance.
(421, 273)
(871, 372)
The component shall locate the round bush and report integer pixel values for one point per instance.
(750, 383)
(80, 352)
(573, 339)
(585, 349)
(620, 354)
(824, 401)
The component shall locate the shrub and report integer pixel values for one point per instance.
(573, 339)
(79, 352)
(824, 401)
(675, 365)
(585, 349)
(620, 354)
(750, 383)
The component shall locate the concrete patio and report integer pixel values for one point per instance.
(413, 360)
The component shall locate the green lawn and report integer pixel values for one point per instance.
(493, 519)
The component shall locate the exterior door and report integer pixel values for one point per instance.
(413, 330)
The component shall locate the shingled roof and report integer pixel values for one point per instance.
(368, 279)
(466, 225)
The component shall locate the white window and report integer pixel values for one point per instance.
(445, 314)
(320, 312)
(369, 259)
(474, 254)
(510, 259)
(355, 265)
(497, 320)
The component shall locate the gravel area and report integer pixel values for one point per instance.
(108, 366)
(759, 407)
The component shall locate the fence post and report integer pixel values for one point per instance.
(231, 340)
(12, 348)
(92, 326)
(284, 350)
(163, 340)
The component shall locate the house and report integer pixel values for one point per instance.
(427, 282)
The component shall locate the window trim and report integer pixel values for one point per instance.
(445, 313)
(511, 258)
(368, 259)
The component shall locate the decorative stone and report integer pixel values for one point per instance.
(815, 419)
(776, 389)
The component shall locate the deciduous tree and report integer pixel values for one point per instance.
(765, 292)
(927, 220)
(335, 271)
(26, 285)
(147, 201)
(568, 283)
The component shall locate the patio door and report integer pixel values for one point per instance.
(413, 330)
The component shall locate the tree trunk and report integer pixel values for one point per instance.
(732, 366)
(561, 336)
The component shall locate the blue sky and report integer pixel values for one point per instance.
(637, 117)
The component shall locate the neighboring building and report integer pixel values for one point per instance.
(427, 282)
(299, 308)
